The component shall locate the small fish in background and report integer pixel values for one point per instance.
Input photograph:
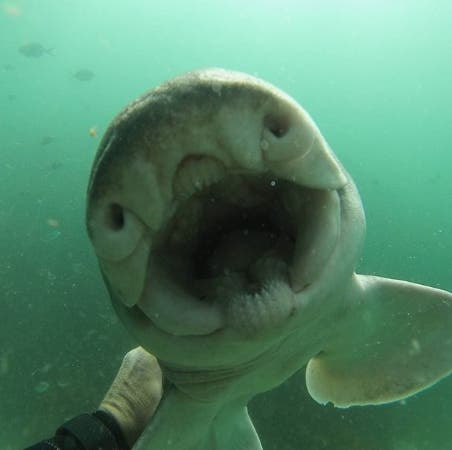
(93, 131)
(46, 140)
(55, 165)
(11, 97)
(8, 67)
(34, 50)
(84, 75)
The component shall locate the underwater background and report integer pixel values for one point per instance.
(375, 75)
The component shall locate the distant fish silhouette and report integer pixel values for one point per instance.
(55, 165)
(46, 140)
(84, 75)
(8, 67)
(34, 50)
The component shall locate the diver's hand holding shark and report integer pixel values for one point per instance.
(227, 233)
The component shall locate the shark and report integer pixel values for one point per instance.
(227, 233)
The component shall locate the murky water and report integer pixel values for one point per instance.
(374, 75)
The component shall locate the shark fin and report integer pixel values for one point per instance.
(394, 340)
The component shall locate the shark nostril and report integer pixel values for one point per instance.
(114, 217)
(116, 232)
(277, 125)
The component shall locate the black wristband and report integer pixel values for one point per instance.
(97, 431)
(110, 422)
(89, 432)
(56, 443)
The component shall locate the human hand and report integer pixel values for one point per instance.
(135, 393)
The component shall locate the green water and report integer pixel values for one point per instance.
(375, 75)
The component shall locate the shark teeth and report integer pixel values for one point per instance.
(195, 173)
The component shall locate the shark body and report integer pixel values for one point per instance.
(227, 233)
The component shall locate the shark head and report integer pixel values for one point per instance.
(227, 233)
(218, 211)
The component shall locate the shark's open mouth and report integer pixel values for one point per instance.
(215, 204)
(237, 248)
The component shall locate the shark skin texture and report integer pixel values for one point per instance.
(227, 234)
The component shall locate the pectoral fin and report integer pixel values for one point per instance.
(395, 340)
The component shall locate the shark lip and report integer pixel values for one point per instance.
(238, 249)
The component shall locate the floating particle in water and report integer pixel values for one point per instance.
(77, 268)
(51, 236)
(45, 368)
(46, 273)
(51, 276)
(112, 319)
(93, 131)
(54, 223)
(90, 333)
(42, 387)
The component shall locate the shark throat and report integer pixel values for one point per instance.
(237, 239)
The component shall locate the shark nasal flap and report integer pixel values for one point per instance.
(227, 233)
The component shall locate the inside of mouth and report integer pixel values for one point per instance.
(237, 236)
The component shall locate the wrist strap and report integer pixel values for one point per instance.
(97, 431)
(110, 422)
